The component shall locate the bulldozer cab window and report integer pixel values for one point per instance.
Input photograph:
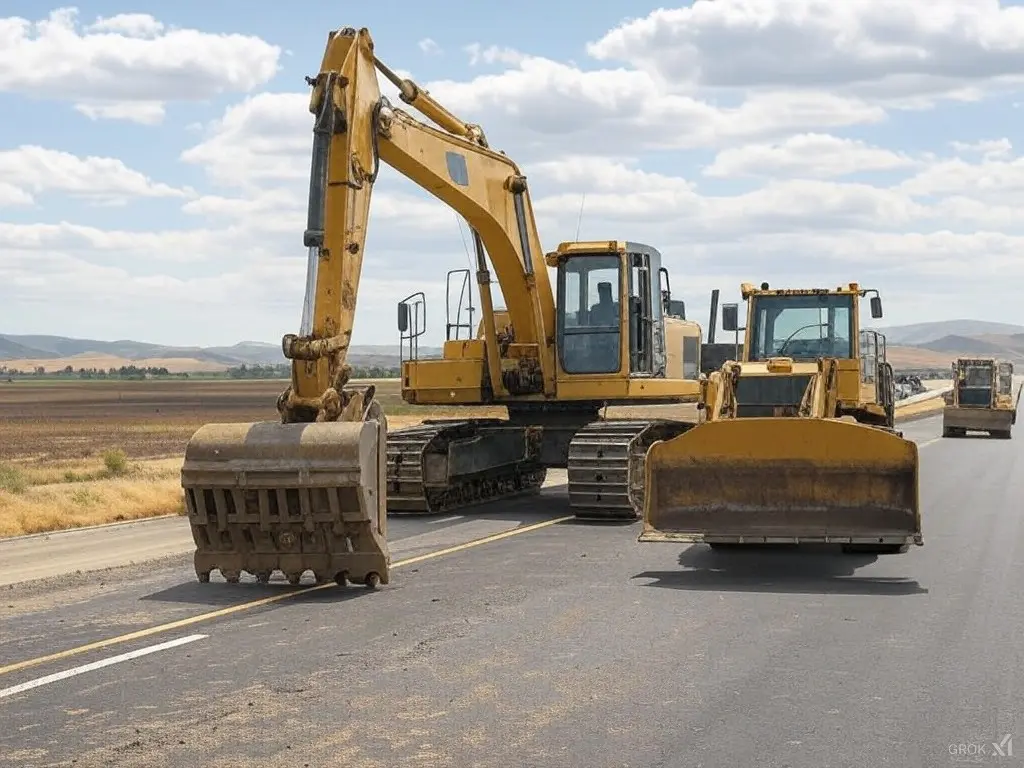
(977, 376)
(975, 386)
(589, 334)
(1005, 379)
(803, 327)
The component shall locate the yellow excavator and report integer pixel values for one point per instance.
(796, 441)
(313, 491)
(981, 399)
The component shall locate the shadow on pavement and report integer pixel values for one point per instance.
(783, 569)
(222, 594)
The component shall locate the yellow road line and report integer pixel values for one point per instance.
(264, 600)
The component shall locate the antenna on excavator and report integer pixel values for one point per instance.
(579, 220)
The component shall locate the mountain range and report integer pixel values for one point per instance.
(56, 352)
(921, 345)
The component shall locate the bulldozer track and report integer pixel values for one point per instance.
(606, 466)
(410, 494)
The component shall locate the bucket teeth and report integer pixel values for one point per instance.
(290, 498)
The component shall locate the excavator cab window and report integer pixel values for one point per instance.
(802, 326)
(589, 334)
(641, 315)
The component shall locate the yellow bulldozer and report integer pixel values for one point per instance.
(981, 399)
(313, 491)
(796, 441)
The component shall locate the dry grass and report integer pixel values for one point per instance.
(95, 360)
(84, 453)
(63, 495)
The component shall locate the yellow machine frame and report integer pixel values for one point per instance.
(989, 408)
(791, 450)
(312, 492)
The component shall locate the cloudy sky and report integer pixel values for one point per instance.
(153, 156)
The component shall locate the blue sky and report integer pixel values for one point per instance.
(741, 139)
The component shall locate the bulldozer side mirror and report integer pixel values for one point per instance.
(403, 317)
(677, 308)
(876, 307)
(730, 317)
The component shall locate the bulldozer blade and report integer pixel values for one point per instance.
(783, 480)
(266, 496)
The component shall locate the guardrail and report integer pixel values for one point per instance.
(921, 396)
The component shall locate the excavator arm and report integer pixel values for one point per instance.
(309, 492)
(355, 130)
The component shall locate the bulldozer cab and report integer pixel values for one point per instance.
(796, 445)
(981, 399)
(615, 314)
(977, 382)
(789, 330)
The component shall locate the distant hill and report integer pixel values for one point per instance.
(936, 345)
(922, 333)
(56, 352)
(921, 345)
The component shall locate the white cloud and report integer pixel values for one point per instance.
(733, 168)
(142, 112)
(126, 60)
(991, 180)
(989, 148)
(492, 54)
(262, 139)
(912, 49)
(130, 24)
(429, 47)
(105, 180)
(595, 109)
(812, 155)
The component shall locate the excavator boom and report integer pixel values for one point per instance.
(309, 492)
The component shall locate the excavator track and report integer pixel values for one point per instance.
(439, 466)
(606, 466)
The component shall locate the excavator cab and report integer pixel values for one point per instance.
(620, 338)
(616, 318)
(797, 441)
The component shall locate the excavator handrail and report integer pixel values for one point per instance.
(355, 129)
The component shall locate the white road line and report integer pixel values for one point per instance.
(58, 676)
(446, 519)
(928, 442)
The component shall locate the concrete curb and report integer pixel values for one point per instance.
(933, 394)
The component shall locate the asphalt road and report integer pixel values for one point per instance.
(566, 645)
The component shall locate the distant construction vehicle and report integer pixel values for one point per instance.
(313, 491)
(981, 399)
(797, 440)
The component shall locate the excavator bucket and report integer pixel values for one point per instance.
(783, 480)
(268, 496)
